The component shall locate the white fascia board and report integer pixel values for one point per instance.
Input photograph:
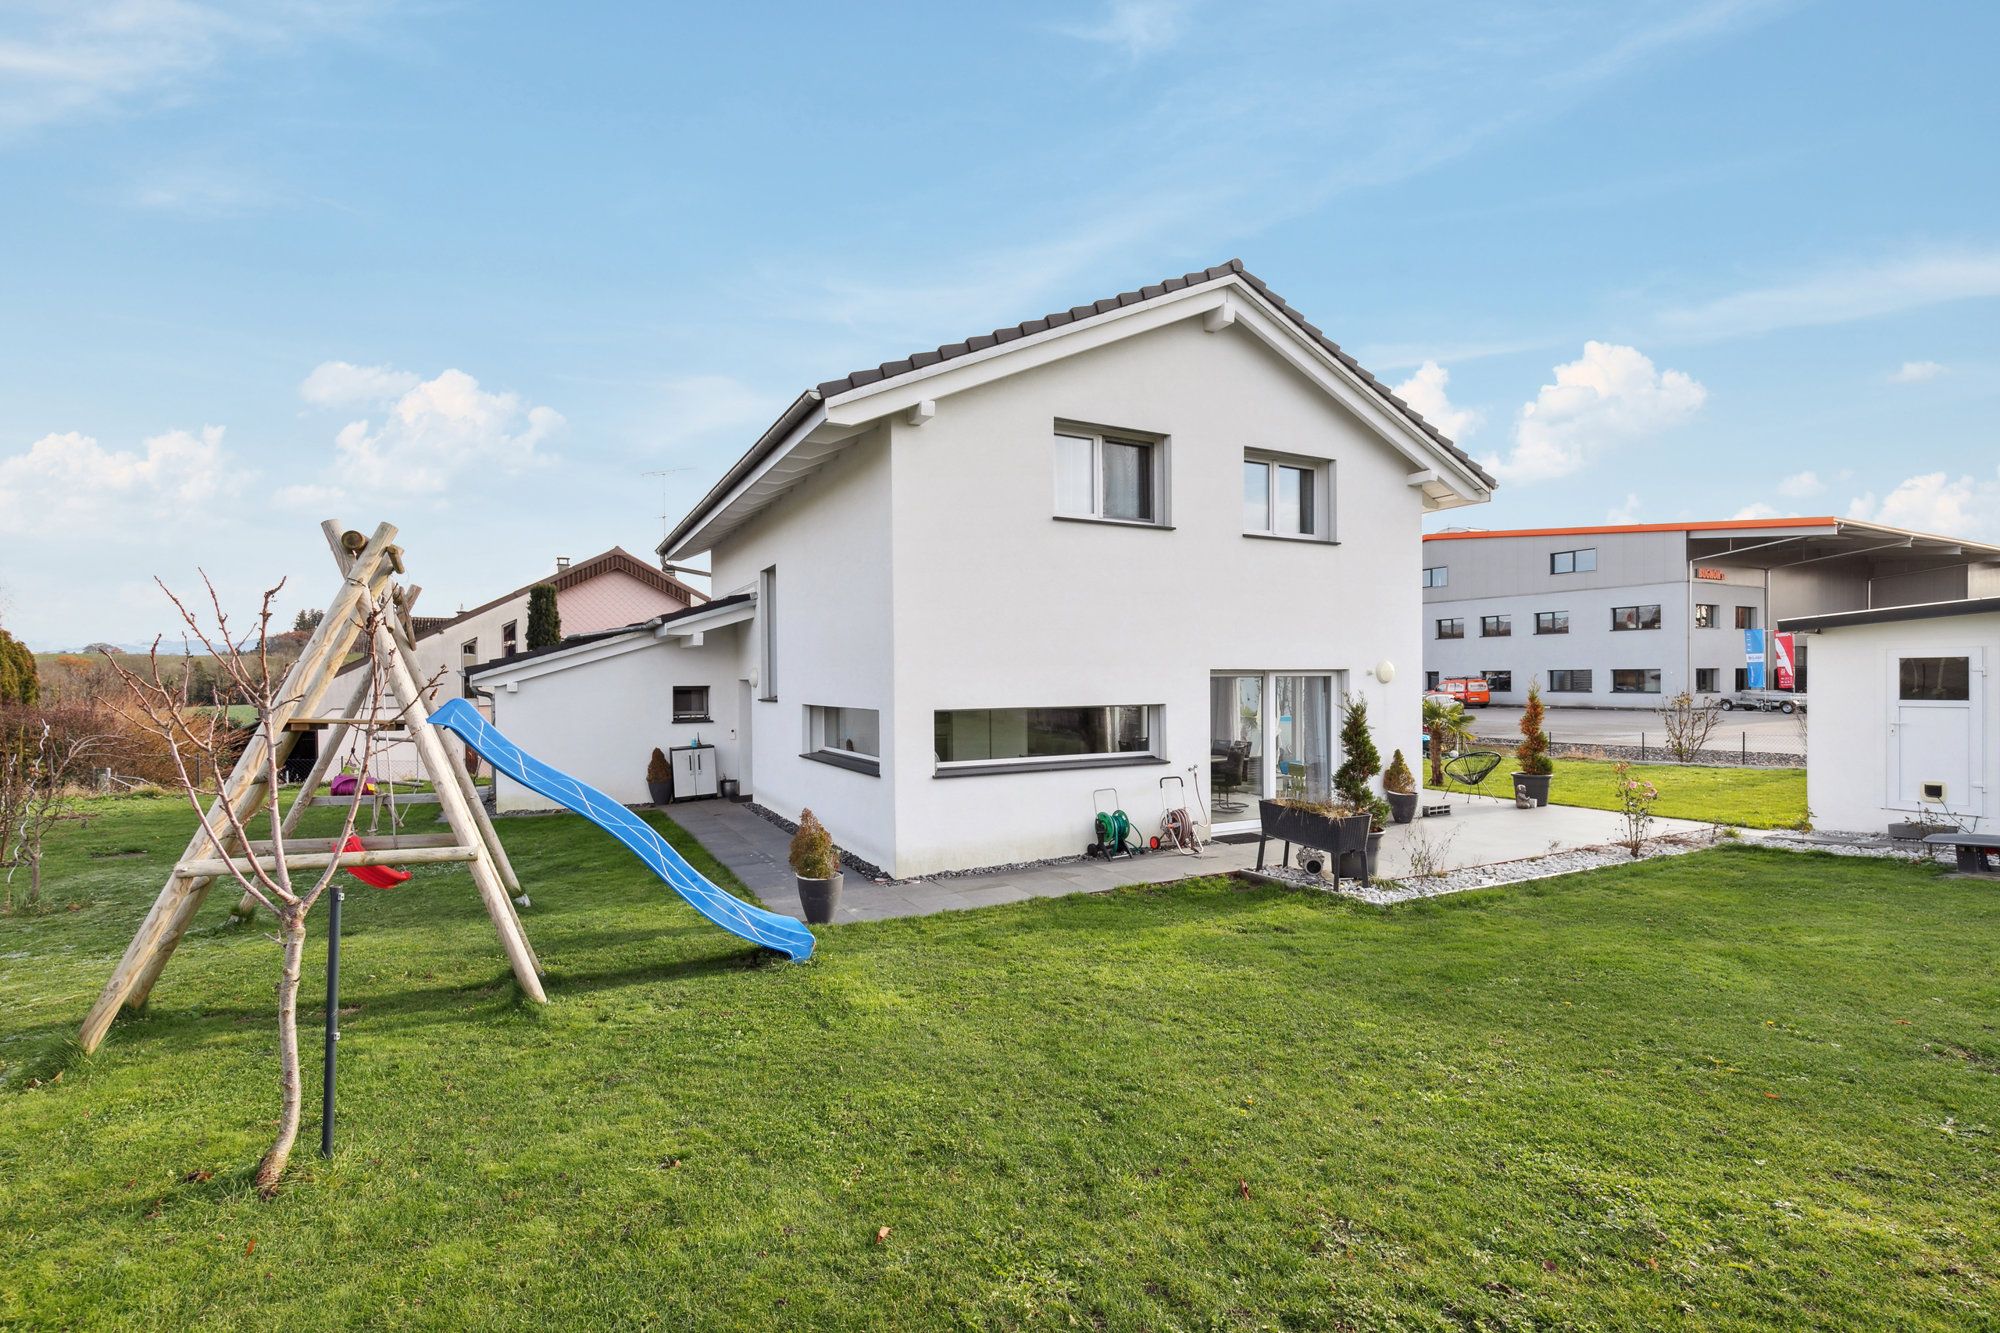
(684, 626)
(698, 540)
(583, 654)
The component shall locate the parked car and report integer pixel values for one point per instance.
(1769, 701)
(1468, 690)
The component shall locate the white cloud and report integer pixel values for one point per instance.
(1801, 484)
(430, 432)
(1624, 513)
(1838, 295)
(1609, 396)
(1965, 506)
(1425, 391)
(62, 60)
(344, 384)
(1137, 27)
(70, 481)
(1916, 372)
(1759, 509)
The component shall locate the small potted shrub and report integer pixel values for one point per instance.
(659, 778)
(1401, 786)
(1351, 785)
(1531, 779)
(816, 865)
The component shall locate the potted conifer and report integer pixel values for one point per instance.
(659, 778)
(1401, 787)
(1531, 780)
(816, 865)
(1350, 784)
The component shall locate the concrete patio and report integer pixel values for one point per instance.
(1479, 831)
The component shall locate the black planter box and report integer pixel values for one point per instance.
(1310, 829)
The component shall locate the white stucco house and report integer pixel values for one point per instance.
(1155, 537)
(1903, 699)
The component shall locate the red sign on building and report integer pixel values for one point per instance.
(1781, 661)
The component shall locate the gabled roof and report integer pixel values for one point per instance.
(615, 632)
(804, 410)
(616, 560)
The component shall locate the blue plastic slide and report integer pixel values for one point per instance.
(734, 915)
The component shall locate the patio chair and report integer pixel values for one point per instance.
(1470, 768)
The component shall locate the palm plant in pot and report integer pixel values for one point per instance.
(1531, 780)
(1400, 785)
(1350, 784)
(659, 778)
(816, 866)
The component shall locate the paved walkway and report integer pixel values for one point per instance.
(1479, 831)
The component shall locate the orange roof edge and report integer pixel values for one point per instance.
(1720, 525)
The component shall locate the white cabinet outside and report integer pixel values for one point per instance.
(694, 771)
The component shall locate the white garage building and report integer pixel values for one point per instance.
(1904, 699)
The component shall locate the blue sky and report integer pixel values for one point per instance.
(480, 268)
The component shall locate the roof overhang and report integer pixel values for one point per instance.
(1830, 539)
(814, 429)
(1883, 615)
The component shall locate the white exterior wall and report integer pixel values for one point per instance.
(829, 540)
(600, 717)
(1487, 577)
(1000, 604)
(1848, 756)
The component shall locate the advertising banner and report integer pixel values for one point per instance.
(1781, 662)
(1753, 659)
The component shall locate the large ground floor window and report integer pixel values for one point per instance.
(969, 739)
(845, 737)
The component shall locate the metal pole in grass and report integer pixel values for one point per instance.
(332, 1022)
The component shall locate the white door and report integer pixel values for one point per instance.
(1934, 730)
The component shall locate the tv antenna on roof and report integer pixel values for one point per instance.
(666, 518)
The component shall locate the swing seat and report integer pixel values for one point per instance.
(375, 877)
(345, 784)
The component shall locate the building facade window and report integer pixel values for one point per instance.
(767, 634)
(972, 739)
(1934, 679)
(468, 657)
(1111, 477)
(1742, 678)
(1635, 680)
(1495, 627)
(1706, 615)
(1635, 617)
(1551, 622)
(1499, 681)
(1573, 562)
(1451, 629)
(1705, 680)
(1569, 682)
(510, 638)
(1746, 617)
(1435, 576)
(1286, 497)
(845, 737)
(691, 703)
(1430, 680)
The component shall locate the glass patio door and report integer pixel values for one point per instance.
(1304, 733)
(1236, 749)
(1269, 734)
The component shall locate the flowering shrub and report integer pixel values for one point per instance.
(1635, 801)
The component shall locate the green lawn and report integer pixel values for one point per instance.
(1740, 1088)
(1746, 797)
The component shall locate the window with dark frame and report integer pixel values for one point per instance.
(1453, 628)
(1430, 680)
(1746, 617)
(1934, 679)
(1635, 617)
(1436, 576)
(1569, 682)
(1551, 622)
(1635, 680)
(691, 703)
(1706, 615)
(845, 737)
(1705, 680)
(971, 737)
(1742, 678)
(1499, 681)
(1110, 477)
(1573, 562)
(1496, 627)
(510, 639)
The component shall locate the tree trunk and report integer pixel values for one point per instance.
(273, 1165)
(1437, 758)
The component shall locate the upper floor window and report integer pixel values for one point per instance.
(1635, 617)
(1434, 577)
(1573, 562)
(1451, 629)
(1285, 497)
(1111, 477)
(1705, 615)
(1746, 617)
(1551, 622)
(510, 639)
(1495, 627)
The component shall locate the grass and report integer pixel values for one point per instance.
(1735, 1089)
(1746, 797)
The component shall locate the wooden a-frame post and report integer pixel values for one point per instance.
(368, 568)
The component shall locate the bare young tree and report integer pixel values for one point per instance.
(45, 755)
(203, 753)
(1688, 722)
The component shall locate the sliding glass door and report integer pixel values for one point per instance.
(1269, 734)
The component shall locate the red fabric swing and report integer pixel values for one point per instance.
(376, 877)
